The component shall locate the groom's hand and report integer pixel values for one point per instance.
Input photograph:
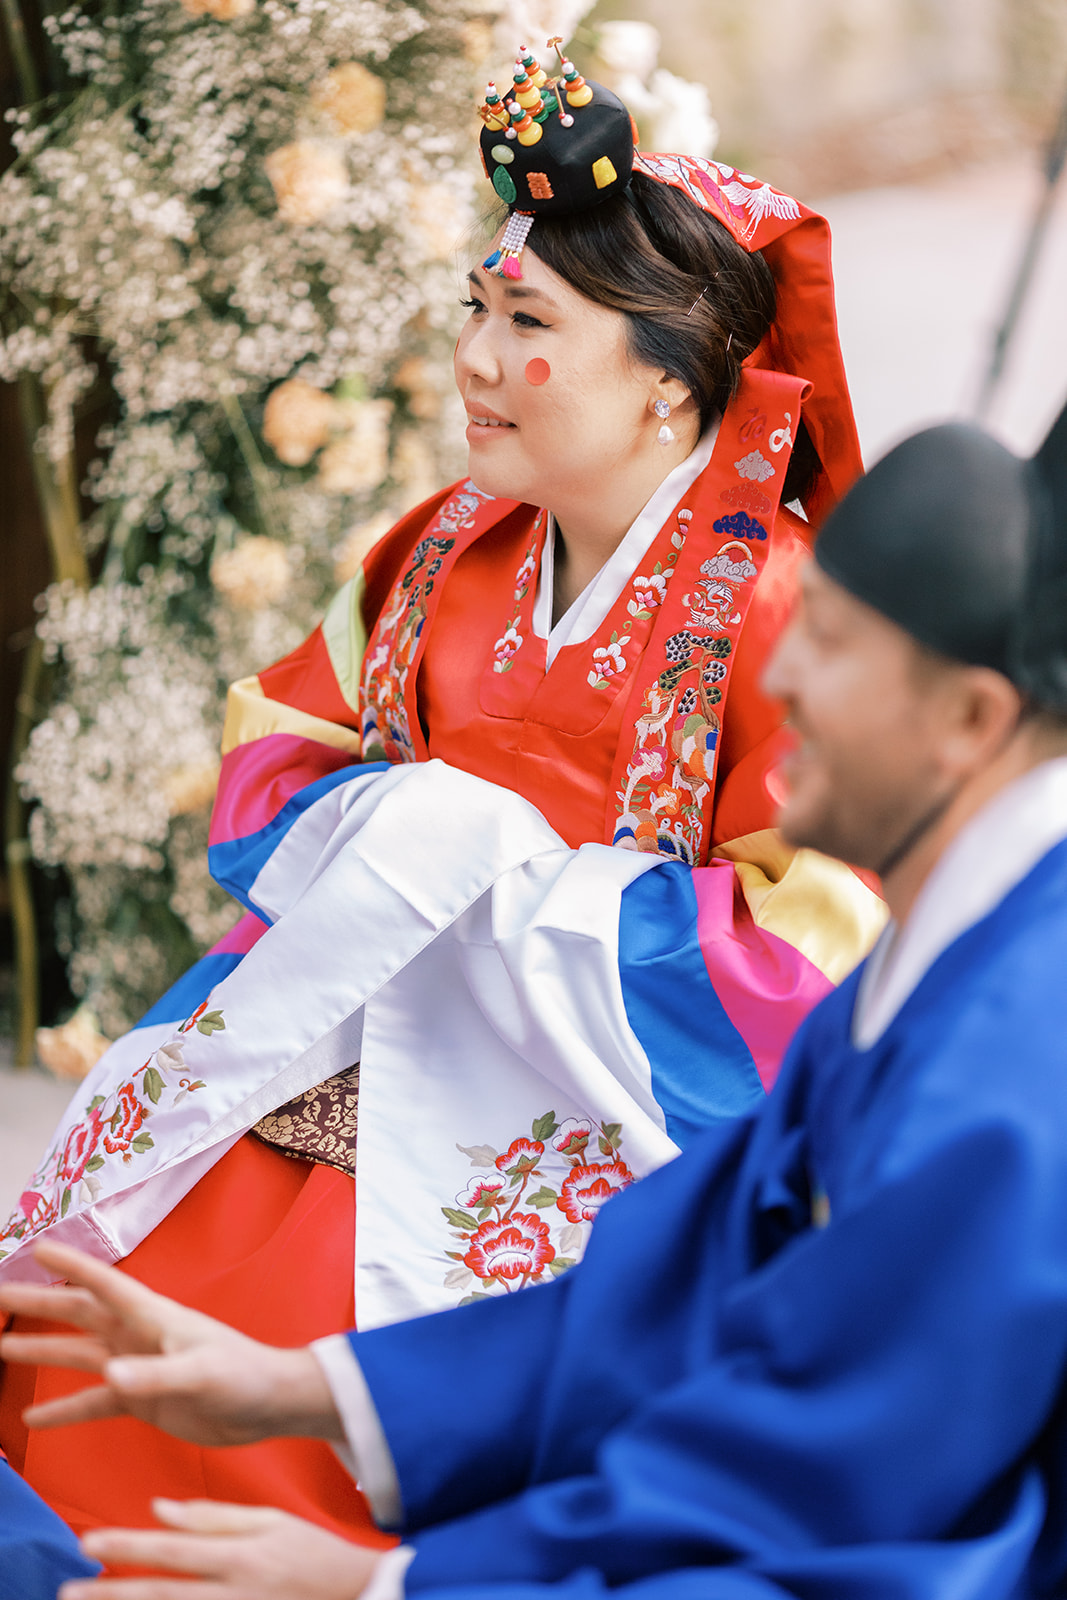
(177, 1369)
(226, 1552)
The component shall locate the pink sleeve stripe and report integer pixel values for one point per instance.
(258, 779)
(241, 937)
(766, 986)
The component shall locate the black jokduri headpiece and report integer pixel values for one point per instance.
(551, 145)
(964, 545)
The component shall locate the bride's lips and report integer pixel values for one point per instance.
(485, 423)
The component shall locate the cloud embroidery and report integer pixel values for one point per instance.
(755, 466)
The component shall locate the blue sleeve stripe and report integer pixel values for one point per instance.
(702, 1070)
(183, 997)
(235, 864)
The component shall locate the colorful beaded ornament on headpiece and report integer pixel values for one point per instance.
(505, 261)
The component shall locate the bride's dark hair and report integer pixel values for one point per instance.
(696, 301)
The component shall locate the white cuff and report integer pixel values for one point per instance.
(368, 1457)
(387, 1579)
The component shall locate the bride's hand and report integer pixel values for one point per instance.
(226, 1552)
(178, 1369)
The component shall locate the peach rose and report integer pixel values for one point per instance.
(309, 179)
(437, 217)
(73, 1049)
(191, 788)
(221, 10)
(358, 458)
(297, 421)
(424, 397)
(254, 574)
(357, 544)
(352, 98)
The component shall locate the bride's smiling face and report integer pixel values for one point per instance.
(553, 396)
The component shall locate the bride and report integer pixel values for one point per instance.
(502, 825)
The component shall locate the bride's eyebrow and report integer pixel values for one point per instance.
(517, 291)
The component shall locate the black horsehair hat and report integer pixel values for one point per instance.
(964, 545)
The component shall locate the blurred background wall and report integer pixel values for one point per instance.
(827, 95)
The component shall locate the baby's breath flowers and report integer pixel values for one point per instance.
(244, 217)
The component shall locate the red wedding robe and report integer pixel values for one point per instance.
(265, 1241)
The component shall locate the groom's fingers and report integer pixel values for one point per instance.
(55, 1350)
(55, 1304)
(88, 1405)
(145, 1589)
(197, 1374)
(205, 1557)
(216, 1516)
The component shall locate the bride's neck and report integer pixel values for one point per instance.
(590, 526)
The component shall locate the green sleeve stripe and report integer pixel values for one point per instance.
(345, 636)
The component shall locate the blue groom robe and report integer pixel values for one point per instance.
(38, 1552)
(820, 1354)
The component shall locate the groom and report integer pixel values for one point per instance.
(822, 1353)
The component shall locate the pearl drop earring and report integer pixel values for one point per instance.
(666, 433)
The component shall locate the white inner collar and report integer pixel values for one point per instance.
(584, 616)
(988, 857)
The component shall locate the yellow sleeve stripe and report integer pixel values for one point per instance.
(250, 716)
(816, 904)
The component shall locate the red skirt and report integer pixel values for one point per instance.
(266, 1243)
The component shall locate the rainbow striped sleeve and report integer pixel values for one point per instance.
(720, 965)
(290, 737)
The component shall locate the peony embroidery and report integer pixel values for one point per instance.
(482, 1191)
(572, 1136)
(587, 1189)
(79, 1152)
(526, 572)
(37, 1211)
(503, 1222)
(608, 659)
(521, 1157)
(125, 1122)
(518, 1247)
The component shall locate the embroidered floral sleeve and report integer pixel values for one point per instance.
(649, 594)
(113, 1127)
(509, 644)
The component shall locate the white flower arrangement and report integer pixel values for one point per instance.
(239, 200)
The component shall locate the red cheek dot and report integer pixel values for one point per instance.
(538, 371)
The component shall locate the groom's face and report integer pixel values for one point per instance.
(867, 707)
